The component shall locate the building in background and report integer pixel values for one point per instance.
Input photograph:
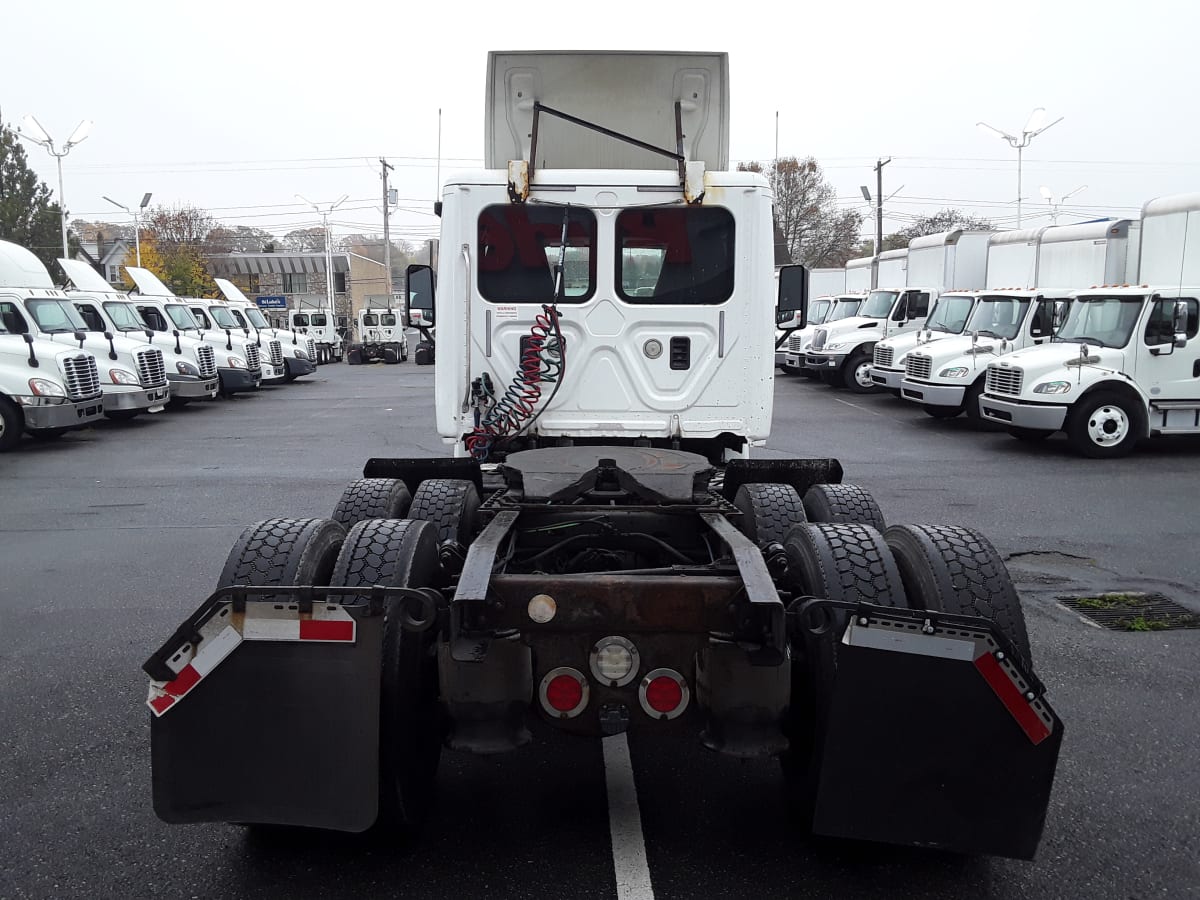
(106, 257)
(299, 276)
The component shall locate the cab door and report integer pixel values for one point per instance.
(1164, 371)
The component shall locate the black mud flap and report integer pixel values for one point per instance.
(934, 738)
(279, 732)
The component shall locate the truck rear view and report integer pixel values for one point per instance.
(599, 553)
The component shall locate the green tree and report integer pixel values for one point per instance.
(27, 216)
(179, 240)
(815, 230)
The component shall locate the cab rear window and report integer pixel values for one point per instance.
(518, 248)
(675, 255)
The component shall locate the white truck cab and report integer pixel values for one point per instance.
(663, 282)
(947, 317)
(191, 367)
(823, 309)
(237, 357)
(319, 325)
(132, 372)
(223, 315)
(296, 354)
(948, 378)
(381, 337)
(823, 286)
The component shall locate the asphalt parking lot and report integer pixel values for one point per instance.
(111, 536)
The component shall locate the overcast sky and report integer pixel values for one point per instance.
(238, 106)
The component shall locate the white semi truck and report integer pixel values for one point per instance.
(843, 354)
(322, 327)
(218, 314)
(132, 372)
(239, 367)
(46, 389)
(1125, 364)
(191, 364)
(295, 353)
(947, 317)
(948, 378)
(381, 337)
(573, 560)
(825, 310)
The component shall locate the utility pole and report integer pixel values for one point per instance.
(385, 167)
(879, 164)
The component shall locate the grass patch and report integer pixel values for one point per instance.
(1141, 623)
(1112, 601)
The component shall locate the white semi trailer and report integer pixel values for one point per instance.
(238, 359)
(948, 378)
(46, 389)
(1125, 364)
(191, 364)
(132, 372)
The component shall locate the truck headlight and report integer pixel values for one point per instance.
(43, 388)
(837, 346)
(1053, 387)
(954, 372)
(123, 376)
(184, 368)
(300, 354)
(236, 362)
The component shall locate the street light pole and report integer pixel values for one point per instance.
(31, 129)
(137, 227)
(324, 214)
(1032, 129)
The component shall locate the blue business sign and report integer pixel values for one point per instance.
(270, 301)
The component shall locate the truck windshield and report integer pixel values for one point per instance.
(950, 314)
(819, 310)
(519, 250)
(879, 305)
(256, 318)
(675, 256)
(182, 317)
(124, 316)
(843, 309)
(1108, 321)
(999, 317)
(221, 316)
(55, 316)
(237, 314)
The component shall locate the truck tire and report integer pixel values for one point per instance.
(451, 505)
(843, 561)
(971, 401)
(372, 498)
(390, 354)
(401, 553)
(12, 423)
(842, 503)
(951, 569)
(284, 551)
(768, 511)
(1105, 425)
(856, 372)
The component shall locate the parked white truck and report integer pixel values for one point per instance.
(825, 310)
(381, 337)
(296, 353)
(190, 364)
(132, 372)
(1126, 362)
(948, 378)
(319, 325)
(947, 317)
(238, 360)
(45, 388)
(222, 315)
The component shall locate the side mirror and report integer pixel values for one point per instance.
(420, 281)
(793, 295)
(108, 335)
(1180, 326)
(80, 336)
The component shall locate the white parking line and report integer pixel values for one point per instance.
(862, 408)
(625, 822)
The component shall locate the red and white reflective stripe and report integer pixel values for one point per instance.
(223, 631)
(1001, 682)
(211, 651)
(263, 622)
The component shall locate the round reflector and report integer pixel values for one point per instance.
(615, 661)
(564, 692)
(663, 693)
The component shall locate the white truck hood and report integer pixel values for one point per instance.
(843, 327)
(1060, 361)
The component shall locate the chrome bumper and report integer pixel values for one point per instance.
(141, 398)
(1040, 416)
(193, 388)
(64, 415)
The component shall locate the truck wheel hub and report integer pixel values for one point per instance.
(1108, 425)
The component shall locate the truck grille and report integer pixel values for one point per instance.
(276, 350)
(312, 350)
(207, 360)
(253, 361)
(818, 342)
(1004, 380)
(82, 377)
(151, 369)
(918, 366)
(883, 357)
(795, 343)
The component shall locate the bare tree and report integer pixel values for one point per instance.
(815, 230)
(176, 226)
(304, 239)
(943, 220)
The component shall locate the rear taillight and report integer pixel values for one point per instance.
(663, 694)
(564, 692)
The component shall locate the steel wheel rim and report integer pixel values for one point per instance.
(862, 375)
(1107, 425)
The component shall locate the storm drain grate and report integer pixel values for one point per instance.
(1133, 611)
